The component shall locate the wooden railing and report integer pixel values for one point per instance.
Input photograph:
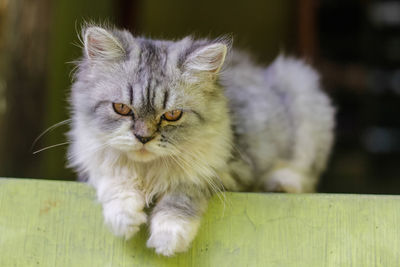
(52, 223)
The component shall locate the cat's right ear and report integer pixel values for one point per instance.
(100, 45)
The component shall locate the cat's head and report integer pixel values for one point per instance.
(148, 98)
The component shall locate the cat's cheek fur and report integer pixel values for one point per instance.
(172, 234)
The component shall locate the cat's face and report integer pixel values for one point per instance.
(143, 120)
(147, 98)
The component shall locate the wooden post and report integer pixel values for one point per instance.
(307, 32)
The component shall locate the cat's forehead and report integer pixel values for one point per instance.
(151, 59)
(152, 75)
(148, 64)
(159, 58)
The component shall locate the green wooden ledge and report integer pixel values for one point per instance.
(51, 223)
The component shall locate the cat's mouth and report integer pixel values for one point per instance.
(143, 151)
(144, 155)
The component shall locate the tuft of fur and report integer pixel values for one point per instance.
(242, 126)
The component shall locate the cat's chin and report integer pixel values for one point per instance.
(142, 156)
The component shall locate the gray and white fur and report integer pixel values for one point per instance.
(243, 126)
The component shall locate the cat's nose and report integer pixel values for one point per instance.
(144, 139)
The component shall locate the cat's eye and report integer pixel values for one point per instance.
(172, 115)
(122, 109)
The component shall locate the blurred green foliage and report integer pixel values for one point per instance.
(67, 18)
(263, 27)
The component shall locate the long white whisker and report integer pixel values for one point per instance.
(221, 185)
(90, 149)
(214, 187)
(50, 129)
(179, 160)
(48, 147)
(195, 157)
(217, 189)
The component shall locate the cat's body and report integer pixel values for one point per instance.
(152, 123)
(283, 122)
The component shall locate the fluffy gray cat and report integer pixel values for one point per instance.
(169, 123)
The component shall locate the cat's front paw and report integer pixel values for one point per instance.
(172, 237)
(167, 243)
(123, 217)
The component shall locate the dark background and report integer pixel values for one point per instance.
(354, 44)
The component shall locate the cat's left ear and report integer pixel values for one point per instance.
(206, 60)
(101, 45)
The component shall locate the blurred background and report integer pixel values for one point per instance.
(355, 44)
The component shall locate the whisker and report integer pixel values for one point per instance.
(90, 149)
(214, 187)
(48, 147)
(49, 130)
(217, 189)
(209, 180)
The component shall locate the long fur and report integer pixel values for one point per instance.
(243, 126)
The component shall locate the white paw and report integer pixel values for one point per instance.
(172, 237)
(284, 180)
(167, 243)
(123, 217)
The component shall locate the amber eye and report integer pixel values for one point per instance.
(122, 109)
(173, 115)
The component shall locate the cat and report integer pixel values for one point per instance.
(166, 124)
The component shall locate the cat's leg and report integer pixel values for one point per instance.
(175, 220)
(289, 178)
(122, 205)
